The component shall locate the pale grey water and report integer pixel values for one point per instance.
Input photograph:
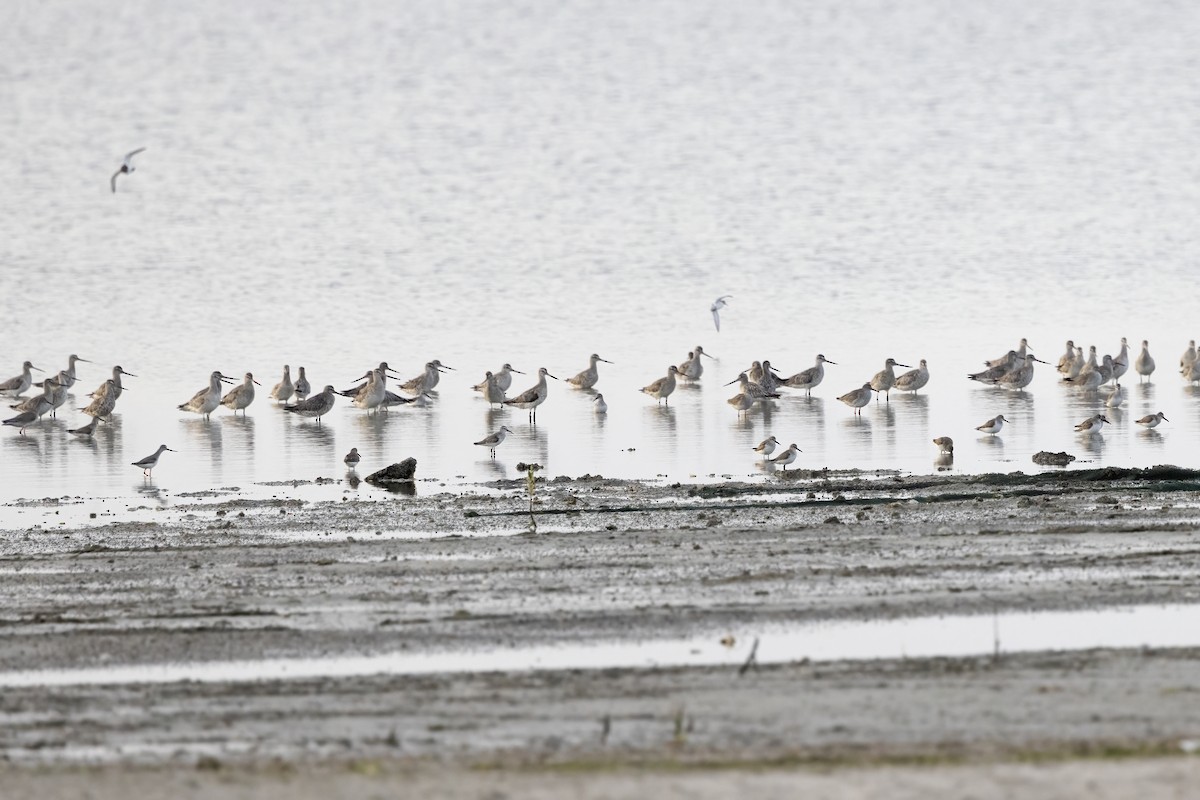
(532, 182)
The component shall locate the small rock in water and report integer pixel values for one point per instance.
(403, 472)
(1047, 459)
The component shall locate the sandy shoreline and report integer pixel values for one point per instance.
(233, 578)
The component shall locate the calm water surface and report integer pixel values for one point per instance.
(533, 182)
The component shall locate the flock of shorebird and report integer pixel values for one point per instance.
(1013, 370)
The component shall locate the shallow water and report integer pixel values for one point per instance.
(535, 182)
(914, 637)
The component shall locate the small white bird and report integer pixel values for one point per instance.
(1092, 424)
(598, 404)
(126, 167)
(1152, 420)
(787, 456)
(352, 458)
(1116, 398)
(993, 425)
(717, 305)
(149, 462)
(766, 446)
(494, 440)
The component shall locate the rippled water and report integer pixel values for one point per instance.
(537, 181)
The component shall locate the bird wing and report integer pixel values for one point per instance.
(133, 153)
(527, 396)
(716, 317)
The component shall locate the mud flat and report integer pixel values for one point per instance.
(280, 645)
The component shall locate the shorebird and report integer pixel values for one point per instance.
(21, 382)
(742, 401)
(30, 403)
(598, 404)
(770, 380)
(114, 386)
(303, 388)
(1116, 397)
(206, 400)
(282, 391)
(503, 378)
(426, 380)
(352, 458)
(86, 430)
(392, 399)
(491, 390)
(1191, 373)
(58, 396)
(913, 380)
(316, 406)
(1092, 424)
(27, 418)
(858, 398)
(810, 378)
(587, 379)
(1020, 377)
(753, 389)
(1066, 360)
(241, 396)
(694, 367)
(1120, 361)
(104, 400)
(1108, 369)
(67, 376)
(716, 307)
(993, 425)
(755, 373)
(1020, 351)
(787, 456)
(151, 461)
(369, 395)
(945, 444)
(1187, 359)
(533, 397)
(685, 366)
(125, 169)
(494, 440)
(1152, 420)
(766, 446)
(1071, 370)
(885, 379)
(661, 389)
(1143, 365)
(993, 374)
